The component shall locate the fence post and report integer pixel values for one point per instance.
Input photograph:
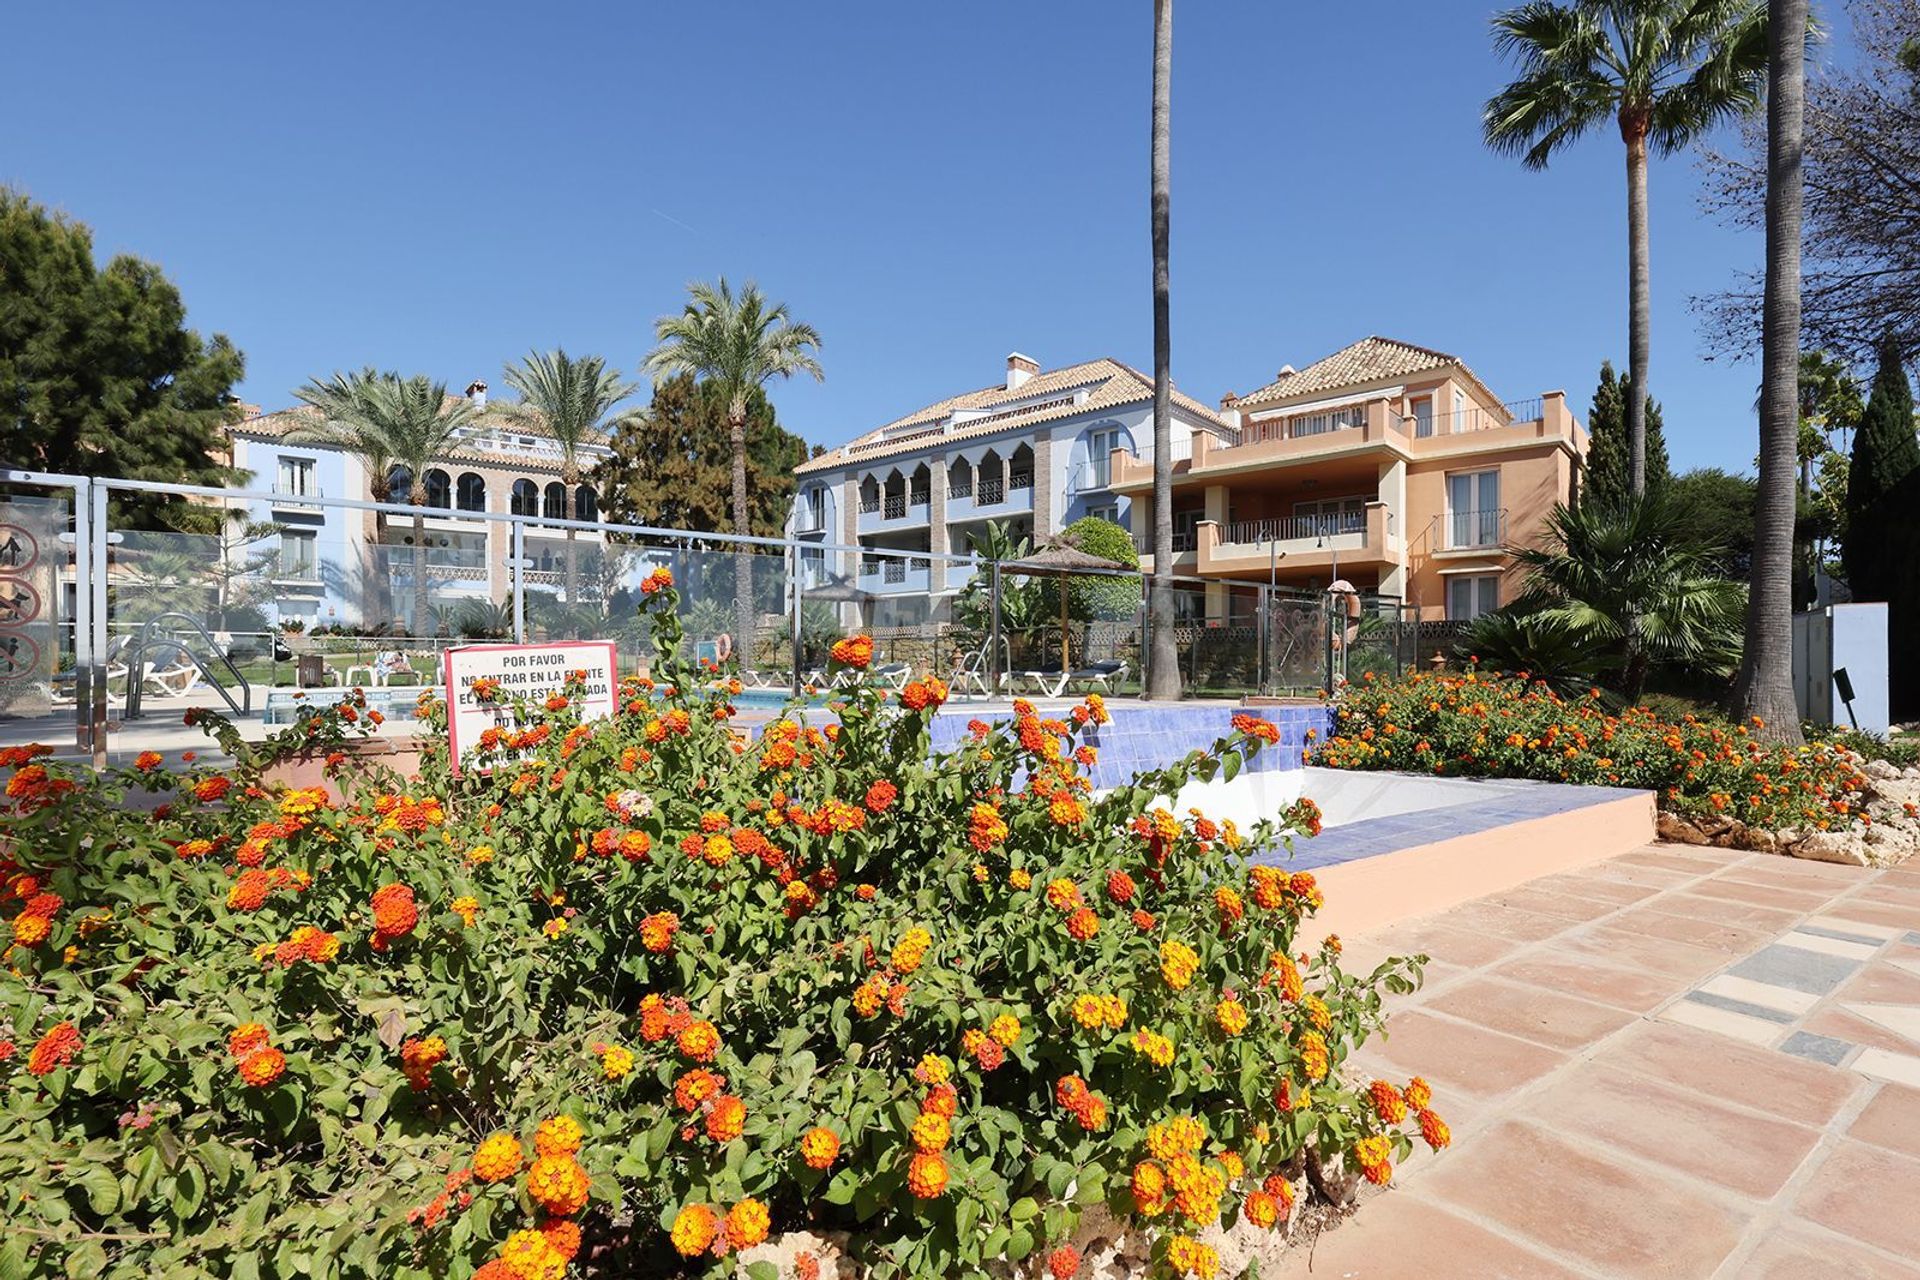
(799, 587)
(519, 583)
(1262, 632)
(97, 712)
(993, 628)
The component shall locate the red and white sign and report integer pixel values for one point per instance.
(528, 674)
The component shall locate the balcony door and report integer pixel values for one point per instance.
(1473, 509)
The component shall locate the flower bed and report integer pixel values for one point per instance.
(1478, 725)
(650, 992)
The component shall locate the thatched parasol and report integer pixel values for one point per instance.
(1063, 557)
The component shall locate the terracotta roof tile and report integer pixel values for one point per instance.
(1372, 359)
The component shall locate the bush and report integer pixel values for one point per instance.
(663, 989)
(1500, 726)
(1091, 595)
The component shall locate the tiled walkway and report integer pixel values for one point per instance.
(1677, 1063)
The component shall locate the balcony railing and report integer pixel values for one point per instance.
(1020, 480)
(1285, 528)
(1466, 530)
(959, 489)
(1479, 419)
(296, 495)
(868, 506)
(988, 492)
(896, 506)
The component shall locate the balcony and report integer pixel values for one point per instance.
(887, 575)
(888, 512)
(990, 497)
(1469, 530)
(1316, 543)
(454, 568)
(296, 498)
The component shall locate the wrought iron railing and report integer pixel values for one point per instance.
(1284, 528)
(1465, 530)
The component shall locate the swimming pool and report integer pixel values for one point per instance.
(396, 704)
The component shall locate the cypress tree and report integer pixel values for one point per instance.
(1880, 529)
(1607, 479)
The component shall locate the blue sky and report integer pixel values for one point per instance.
(439, 187)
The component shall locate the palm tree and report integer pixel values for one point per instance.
(1632, 585)
(389, 423)
(1666, 71)
(1163, 666)
(738, 343)
(1764, 689)
(571, 399)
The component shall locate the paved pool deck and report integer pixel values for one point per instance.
(1678, 1062)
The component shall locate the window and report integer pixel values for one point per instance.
(1109, 512)
(813, 566)
(439, 489)
(471, 492)
(1100, 447)
(399, 485)
(526, 498)
(1474, 515)
(1470, 595)
(1186, 529)
(812, 516)
(553, 504)
(298, 559)
(296, 478)
(586, 503)
(1423, 416)
(1459, 411)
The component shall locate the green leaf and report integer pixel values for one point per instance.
(762, 1270)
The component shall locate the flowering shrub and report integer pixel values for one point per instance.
(1476, 725)
(653, 989)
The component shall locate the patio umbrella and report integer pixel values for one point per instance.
(1059, 556)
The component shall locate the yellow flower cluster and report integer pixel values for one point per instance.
(1095, 1012)
(1178, 963)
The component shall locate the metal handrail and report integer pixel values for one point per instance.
(144, 640)
(1282, 528)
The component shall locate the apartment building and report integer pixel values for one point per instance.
(323, 558)
(1035, 451)
(1387, 465)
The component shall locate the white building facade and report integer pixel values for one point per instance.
(1032, 454)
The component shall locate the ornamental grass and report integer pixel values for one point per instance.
(636, 995)
(1477, 725)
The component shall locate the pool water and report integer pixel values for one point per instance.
(395, 704)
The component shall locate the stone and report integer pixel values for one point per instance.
(1881, 770)
(1831, 846)
(1671, 826)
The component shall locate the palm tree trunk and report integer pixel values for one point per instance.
(1163, 665)
(418, 497)
(377, 604)
(742, 556)
(1764, 688)
(1633, 128)
(573, 563)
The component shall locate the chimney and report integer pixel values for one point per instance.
(477, 392)
(1286, 371)
(1019, 369)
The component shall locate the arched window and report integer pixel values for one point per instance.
(399, 484)
(586, 503)
(471, 492)
(526, 498)
(439, 489)
(554, 505)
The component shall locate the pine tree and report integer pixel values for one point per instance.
(99, 374)
(1880, 530)
(1607, 472)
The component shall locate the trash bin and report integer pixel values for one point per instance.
(311, 672)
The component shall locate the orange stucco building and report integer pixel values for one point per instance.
(1387, 465)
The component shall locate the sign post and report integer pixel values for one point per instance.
(523, 673)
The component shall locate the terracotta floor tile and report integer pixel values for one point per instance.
(1855, 1192)
(1431, 937)
(1639, 875)
(1565, 1196)
(1875, 913)
(1397, 1236)
(1839, 1024)
(1636, 990)
(1681, 961)
(1883, 894)
(1747, 1153)
(1693, 861)
(1783, 873)
(1795, 901)
(1487, 916)
(1545, 1017)
(1882, 983)
(1471, 1059)
(1803, 1253)
(1595, 887)
(1788, 1087)
(1742, 915)
(1565, 906)
(1891, 1120)
(1829, 873)
(1728, 939)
